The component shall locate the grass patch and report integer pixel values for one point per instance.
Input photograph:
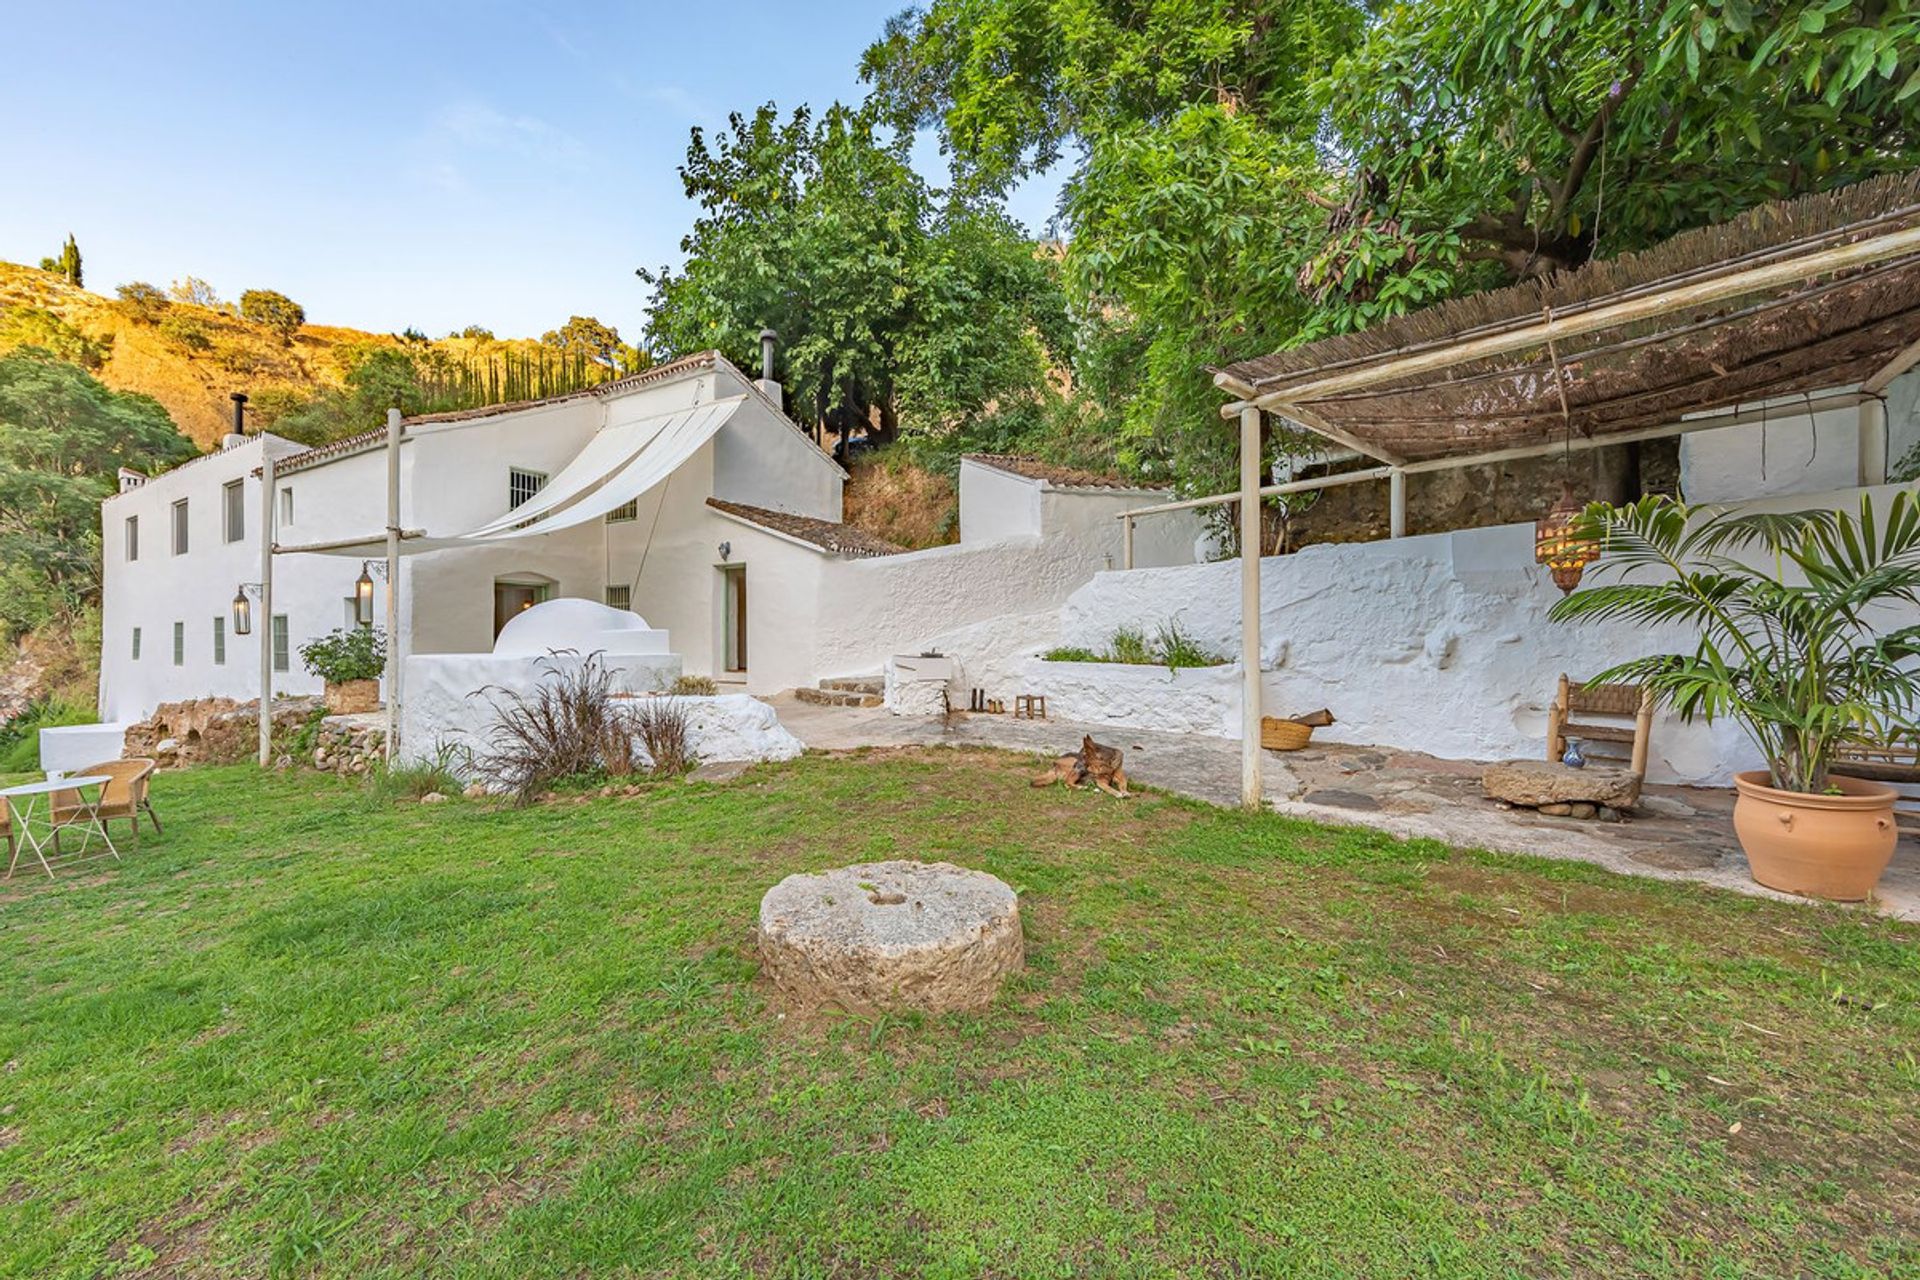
(305, 1034)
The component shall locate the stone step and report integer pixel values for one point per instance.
(856, 684)
(837, 698)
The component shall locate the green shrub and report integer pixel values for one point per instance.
(1178, 649)
(20, 736)
(347, 653)
(188, 332)
(1130, 646)
(1072, 653)
(695, 687)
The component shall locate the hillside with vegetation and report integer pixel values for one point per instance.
(190, 350)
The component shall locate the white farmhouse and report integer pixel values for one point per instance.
(682, 493)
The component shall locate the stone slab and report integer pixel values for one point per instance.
(1535, 784)
(896, 935)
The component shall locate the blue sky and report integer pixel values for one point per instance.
(386, 165)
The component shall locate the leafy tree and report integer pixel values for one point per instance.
(1248, 175)
(889, 301)
(67, 264)
(63, 439)
(276, 311)
(475, 333)
(586, 337)
(142, 301)
(195, 292)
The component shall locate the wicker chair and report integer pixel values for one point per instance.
(6, 829)
(122, 796)
(1619, 702)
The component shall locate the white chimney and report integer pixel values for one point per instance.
(768, 387)
(130, 479)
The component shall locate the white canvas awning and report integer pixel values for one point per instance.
(619, 464)
(677, 437)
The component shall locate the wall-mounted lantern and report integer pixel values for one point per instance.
(243, 608)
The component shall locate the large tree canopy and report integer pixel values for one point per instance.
(1251, 173)
(888, 297)
(63, 439)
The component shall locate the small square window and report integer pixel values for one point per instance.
(522, 485)
(136, 644)
(133, 537)
(282, 656)
(179, 644)
(219, 641)
(180, 527)
(621, 514)
(233, 499)
(619, 596)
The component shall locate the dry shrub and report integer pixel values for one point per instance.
(695, 687)
(661, 724)
(566, 729)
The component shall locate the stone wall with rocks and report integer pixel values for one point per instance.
(223, 731)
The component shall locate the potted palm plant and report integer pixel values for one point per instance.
(350, 660)
(1810, 645)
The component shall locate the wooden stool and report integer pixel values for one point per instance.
(1030, 706)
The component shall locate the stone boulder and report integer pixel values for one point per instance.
(1538, 784)
(891, 935)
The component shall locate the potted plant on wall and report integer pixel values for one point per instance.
(1811, 647)
(350, 660)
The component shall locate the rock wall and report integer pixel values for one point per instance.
(214, 730)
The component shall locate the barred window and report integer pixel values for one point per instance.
(522, 485)
(179, 644)
(619, 596)
(136, 644)
(620, 514)
(219, 641)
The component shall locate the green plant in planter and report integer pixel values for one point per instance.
(1801, 652)
(347, 653)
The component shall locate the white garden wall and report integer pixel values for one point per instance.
(1437, 643)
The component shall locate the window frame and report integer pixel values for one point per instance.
(515, 475)
(282, 632)
(286, 506)
(625, 593)
(179, 643)
(136, 644)
(132, 544)
(233, 510)
(182, 527)
(219, 640)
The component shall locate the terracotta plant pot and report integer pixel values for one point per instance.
(1820, 846)
(352, 697)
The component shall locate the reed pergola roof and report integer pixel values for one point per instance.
(1785, 300)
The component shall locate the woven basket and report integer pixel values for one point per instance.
(1284, 735)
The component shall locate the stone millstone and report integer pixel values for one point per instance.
(1533, 783)
(891, 935)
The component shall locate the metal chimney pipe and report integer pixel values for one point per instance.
(767, 338)
(239, 399)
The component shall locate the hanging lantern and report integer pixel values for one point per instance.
(1557, 545)
(363, 596)
(242, 613)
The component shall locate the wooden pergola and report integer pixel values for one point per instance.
(1817, 298)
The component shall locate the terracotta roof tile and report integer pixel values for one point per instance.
(1057, 476)
(842, 539)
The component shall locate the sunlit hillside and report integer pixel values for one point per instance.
(191, 358)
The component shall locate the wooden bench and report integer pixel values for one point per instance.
(1896, 763)
(1629, 702)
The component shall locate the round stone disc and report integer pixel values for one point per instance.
(891, 935)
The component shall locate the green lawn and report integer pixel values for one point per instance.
(314, 1032)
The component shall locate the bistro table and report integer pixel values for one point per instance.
(39, 808)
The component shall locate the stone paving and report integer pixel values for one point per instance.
(1678, 833)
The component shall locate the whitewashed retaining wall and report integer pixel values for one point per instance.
(1189, 700)
(449, 700)
(1437, 643)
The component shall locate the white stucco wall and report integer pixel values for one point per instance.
(1438, 643)
(1793, 452)
(161, 588)
(762, 459)
(995, 504)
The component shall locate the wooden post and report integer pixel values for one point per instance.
(1250, 608)
(394, 657)
(1126, 526)
(1397, 503)
(268, 533)
(1873, 441)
